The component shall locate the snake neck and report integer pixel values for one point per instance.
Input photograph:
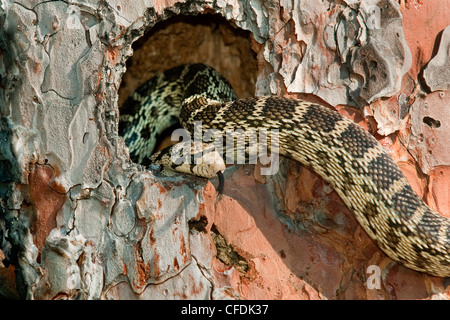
(206, 90)
(206, 87)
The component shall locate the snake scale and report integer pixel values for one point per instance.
(346, 156)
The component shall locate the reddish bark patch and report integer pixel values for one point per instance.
(45, 201)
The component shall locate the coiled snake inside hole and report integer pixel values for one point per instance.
(346, 156)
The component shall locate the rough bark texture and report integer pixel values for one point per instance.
(78, 219)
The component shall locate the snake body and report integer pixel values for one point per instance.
(346, 156)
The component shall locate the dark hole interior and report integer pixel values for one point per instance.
(432, 123)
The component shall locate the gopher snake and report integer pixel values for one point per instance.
(342, 153)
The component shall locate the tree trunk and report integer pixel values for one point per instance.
(79, 220)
